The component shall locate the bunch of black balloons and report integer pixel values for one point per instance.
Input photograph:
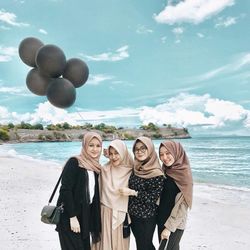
(52, 75)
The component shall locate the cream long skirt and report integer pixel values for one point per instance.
(110, 239)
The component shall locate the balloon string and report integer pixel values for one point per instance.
(79, 115)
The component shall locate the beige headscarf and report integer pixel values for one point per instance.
(114, 177)
(85, 160)
(151, 168)
(180, 171)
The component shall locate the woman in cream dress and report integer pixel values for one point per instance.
(114, 177)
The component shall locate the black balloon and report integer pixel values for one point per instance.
(36, 82)
(76, 71)
(61, 93)
(28, 49)
(51, 60)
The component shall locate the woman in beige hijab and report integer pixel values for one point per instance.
(114, 175)
(79, 194)
(177, 193)
(145, 186)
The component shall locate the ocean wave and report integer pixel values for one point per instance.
(11, 153)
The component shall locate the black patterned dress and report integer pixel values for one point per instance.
(143, 208)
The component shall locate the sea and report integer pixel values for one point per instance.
(214, 160)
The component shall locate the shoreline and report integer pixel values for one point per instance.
(26, 185)
(10, 154)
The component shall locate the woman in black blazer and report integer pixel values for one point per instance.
(79, 194)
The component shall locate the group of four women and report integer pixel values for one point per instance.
(127, 192)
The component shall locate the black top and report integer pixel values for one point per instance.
(144, 204)
(167, 201)
(74, 194)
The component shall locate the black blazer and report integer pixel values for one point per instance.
(74, 194)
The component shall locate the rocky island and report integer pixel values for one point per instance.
(25, 132)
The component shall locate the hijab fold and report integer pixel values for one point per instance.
(151, 166)
(84, 159)
(180, 171)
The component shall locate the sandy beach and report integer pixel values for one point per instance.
(219, 219)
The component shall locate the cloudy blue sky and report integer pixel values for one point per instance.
(185, 63)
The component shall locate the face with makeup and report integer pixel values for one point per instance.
(114, 157)
(140, 151)
(94, 148)
(167, 159)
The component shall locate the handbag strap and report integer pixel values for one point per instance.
(54, 191)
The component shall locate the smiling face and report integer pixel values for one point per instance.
(167, 159)
(140, 151)
(114, 157)
(94, 148)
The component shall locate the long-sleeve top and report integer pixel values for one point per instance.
(74, 194)
(144, 205)
(172, 211)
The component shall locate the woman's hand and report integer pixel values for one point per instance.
(165, 234)
(127, 191)
(74, 225)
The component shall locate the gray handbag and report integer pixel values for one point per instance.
(51, 214)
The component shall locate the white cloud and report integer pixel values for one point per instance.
(183, 110)
(4, 114)
(99, 78)
(21, 2)
(7, 53)
(141, 29)
(211, 74)
(247, 121)
(192, 110)
(225, 22)
(10, 90)
(230, 68)
(43, 31)
(163, 39)
(10, 18)
(163, 96)
(97, 116)
(224, 110)
(200, 35)
(46, 113)
(178, 30)
(191, 11)
(118, 55)
(243, 61)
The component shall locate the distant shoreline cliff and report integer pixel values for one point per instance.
(60, 133)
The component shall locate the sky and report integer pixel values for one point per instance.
(179, 62)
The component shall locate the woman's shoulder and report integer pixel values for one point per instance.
(72, 162)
